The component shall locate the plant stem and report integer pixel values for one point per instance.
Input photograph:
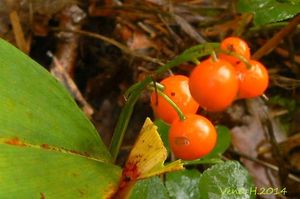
(124, 118)
(276, 25)
(214, 160)
(196, 61)
(240, 57)
(157, 85)
(170, 101)
(214, 56)
(189, 55)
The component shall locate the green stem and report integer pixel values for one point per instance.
(240, 57)
(131, 89)
(203, 161)
(157, 85)
(124, 118)
(269, 26)
(170, 101)
(196, 61)
(214, 56)
(189, 55)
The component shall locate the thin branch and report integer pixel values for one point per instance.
(113, 42)
(263, 163)
(275, 40)
(67, 47)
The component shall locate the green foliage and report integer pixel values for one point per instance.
(29, 172)
(227, 180)
(149, 188)
(288, 103)
(49, 149)
(163, 130)
(47, 145)
(183, 184)
(269, 11)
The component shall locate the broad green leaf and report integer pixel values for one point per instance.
(226, 181)
(149, 188)
(44, 136)
(223, 142)
(183, 184)
(269, 11)
(36, 108)
(163, 130)
(31, 172)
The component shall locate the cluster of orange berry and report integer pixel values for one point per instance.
(213, 85)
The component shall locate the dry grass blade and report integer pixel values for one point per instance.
(18, 32)
(285, 82)
(188, 29)
(274, 41)
(265, 164)
(115, 43)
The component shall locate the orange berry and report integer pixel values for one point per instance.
(214, 84)
(253, 81)
(235, 45)
(193, 137)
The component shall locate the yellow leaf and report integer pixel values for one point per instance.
(147, 157)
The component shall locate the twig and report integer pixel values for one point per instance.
(285, 82)
(277, 154)
(66, 52)
(274, 41)
(266, 122)
(188, 29)
(61, 74)
(284, 53)
(263, 163)
(113, 42)
(178, 40)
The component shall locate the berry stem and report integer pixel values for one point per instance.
(189, 55)
(240, 57)
(169, 100)
(196, 61)
(157, 85)
(214, 56)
